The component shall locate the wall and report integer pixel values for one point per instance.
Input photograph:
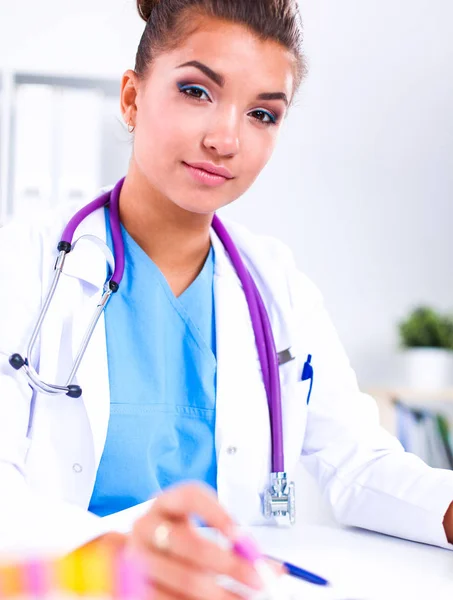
(361, 186)
(86, 37)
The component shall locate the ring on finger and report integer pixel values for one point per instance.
(161, 537)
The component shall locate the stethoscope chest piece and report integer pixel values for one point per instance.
(280, 498)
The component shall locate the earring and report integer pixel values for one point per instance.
(130, 128)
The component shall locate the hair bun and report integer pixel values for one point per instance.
(145, 8)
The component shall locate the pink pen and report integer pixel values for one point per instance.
(272, 590)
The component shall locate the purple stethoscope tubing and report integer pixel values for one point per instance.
(265, 343)
(264, 338)
(112, 199)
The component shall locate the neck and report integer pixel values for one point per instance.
(176, 240)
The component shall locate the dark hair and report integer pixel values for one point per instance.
(277, 20)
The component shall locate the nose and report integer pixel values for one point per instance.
(223, 135)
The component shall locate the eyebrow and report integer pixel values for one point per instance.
(274, 96)
(220, 81)
(216, 77)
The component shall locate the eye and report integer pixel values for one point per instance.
(264, 116)
(193, 91)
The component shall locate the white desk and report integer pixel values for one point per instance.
(361, 565)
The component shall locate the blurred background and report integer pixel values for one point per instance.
(361, 186)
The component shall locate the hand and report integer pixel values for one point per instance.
(187, 567)
(448, 524)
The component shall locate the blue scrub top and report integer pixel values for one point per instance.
(162, 373)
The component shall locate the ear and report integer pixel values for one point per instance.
(129, 90)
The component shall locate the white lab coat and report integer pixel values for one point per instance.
(50, 447)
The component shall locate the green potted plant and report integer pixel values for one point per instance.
(427, 339)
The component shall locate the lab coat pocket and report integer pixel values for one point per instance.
(294, 412)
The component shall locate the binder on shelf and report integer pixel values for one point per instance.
(426, 433)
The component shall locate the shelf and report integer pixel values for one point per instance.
(77, 145)
(386, 399)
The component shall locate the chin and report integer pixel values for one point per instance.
(199, 209)
(202, 206)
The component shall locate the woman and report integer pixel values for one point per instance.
(172, 385)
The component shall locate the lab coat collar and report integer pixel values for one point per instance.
(222, 262)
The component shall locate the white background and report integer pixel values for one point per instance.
(361, 186)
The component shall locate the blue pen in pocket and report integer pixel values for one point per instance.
(307, 374)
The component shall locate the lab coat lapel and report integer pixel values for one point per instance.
(242, 425)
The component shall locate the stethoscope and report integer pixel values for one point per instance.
(279, 498)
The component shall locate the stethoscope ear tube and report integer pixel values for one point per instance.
(64, 247)
(18, 363)
(16, 360)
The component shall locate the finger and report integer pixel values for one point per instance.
(199, 500)
(195, 551)
(185, 582)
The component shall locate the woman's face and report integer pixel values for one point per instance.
(216, 101)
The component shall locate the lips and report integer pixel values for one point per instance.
(212, 169)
